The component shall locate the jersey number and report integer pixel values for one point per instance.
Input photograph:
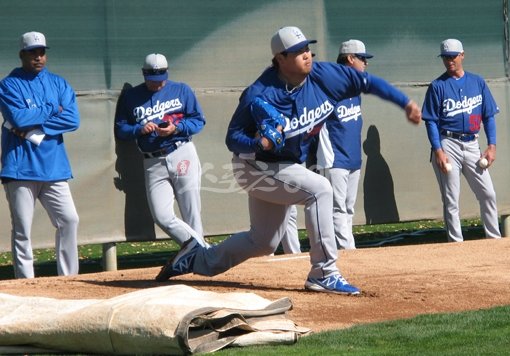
(474, 122)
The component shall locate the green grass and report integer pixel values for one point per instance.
(155, 253)
(406, 233)
(129, 255)
(483, 332)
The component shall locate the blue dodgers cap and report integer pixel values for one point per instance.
(354, 47)
(155, 68)
(451, 47)
(289, 39)
(32, 40)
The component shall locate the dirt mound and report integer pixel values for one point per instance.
(397, 282)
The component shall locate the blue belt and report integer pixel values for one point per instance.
(459, 136)
(165, 151)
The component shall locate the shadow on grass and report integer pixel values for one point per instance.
(403, 238)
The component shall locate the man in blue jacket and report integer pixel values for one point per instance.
(38, 108)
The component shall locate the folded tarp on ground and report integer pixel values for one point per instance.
(173, 319)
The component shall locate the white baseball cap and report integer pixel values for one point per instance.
(155, 67)
(289, 39)
(354, 47)
(451, 47)
(31, 40)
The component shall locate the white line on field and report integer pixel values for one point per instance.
(288, 258)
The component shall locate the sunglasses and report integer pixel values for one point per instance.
(41, 51)
(450, 58)
(154, 71)
(361, 58)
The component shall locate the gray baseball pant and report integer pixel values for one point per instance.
(272, 188)
(176, 177)
(345, 191)
(58, 202)
(464, 157)
(290, 240)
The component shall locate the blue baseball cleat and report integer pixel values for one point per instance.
(333, 284)
(182, 263)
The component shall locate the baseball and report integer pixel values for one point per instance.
(448, 167)
(483, 163)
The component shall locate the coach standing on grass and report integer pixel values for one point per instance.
(267, 161)
(163, 116)
(455, 106)
(38, 108)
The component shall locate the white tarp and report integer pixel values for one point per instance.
(173, 319)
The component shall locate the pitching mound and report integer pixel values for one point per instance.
(397, 282)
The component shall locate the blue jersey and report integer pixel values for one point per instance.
(175, 103)
(305, 108)
(459, 105)
(44, 101)
(340, 137)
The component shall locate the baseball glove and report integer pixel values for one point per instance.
(270, 122)
(273, 135)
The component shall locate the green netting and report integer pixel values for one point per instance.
(100, 44)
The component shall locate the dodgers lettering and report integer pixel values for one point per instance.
(345, 113)
(309, 117)
(158, 110)
(452, 107)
